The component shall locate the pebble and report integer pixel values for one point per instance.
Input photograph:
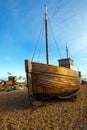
(16, 114)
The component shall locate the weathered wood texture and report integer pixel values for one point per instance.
(52, 79)
(28, 70)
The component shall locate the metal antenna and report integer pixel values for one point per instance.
(66, 51)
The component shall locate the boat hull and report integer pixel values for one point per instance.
(63, 95)
(46, 79)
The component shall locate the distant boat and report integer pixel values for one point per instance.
(20, 80)
(46, 80)
(2, 82)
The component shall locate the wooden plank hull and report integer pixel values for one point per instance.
(49, 79)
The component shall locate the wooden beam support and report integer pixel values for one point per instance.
(28, 69)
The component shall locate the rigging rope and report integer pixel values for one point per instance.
(37, 41)
(41, 32)
(54, 38)
(40, 44)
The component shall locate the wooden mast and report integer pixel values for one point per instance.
(46, 33)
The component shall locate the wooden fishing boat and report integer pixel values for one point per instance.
(47, 80)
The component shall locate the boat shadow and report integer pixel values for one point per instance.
(20, 101)
(57, 99)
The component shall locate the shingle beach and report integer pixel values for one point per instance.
(16, 114)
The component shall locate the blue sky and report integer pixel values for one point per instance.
(20, 25)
